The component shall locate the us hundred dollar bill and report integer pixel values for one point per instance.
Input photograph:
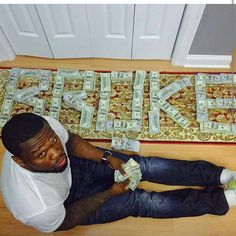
(58, 86)
(23, 94)
(86, 117)
(39, 108)
(105, 82)
(125, 144)
(154, 122)
(139, 79)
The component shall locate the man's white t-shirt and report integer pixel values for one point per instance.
(36, 199)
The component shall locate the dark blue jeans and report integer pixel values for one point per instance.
(89, 177)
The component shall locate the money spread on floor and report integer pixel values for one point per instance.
(104, 82)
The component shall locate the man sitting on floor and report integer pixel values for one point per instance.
(54, 180)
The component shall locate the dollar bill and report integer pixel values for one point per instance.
(139, 79)
(39, 107)
(74, 101)
(117, 77)
(55, 107)
(44, 81)
(126, 125)
(103, 105)
(154, 122)
(133, 171)
(69, 74)
(105, 82)
(26, 73)
(125, 144)
(23, 94)
(173, 88)
(104, 125)
(86, 117)
(137, 115)
(58, 86)
(81, 94)
(154, 75)
(105, 95)
(137, 100)
(14, 72)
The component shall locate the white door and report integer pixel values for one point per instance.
(67, 29)
(24, 31)
(111, 29)
(155, 30)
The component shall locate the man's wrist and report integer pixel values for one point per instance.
(106, 156)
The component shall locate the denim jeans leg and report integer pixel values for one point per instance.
(168, 204)
(176, 172)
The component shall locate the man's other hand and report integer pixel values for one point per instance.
(119, 188)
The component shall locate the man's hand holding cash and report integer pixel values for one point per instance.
(123, 171)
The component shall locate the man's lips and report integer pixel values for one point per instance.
(62, 162)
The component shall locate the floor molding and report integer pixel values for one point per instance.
(208, 61)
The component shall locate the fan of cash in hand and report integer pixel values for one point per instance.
(132, 169)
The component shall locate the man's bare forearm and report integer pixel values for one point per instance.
(77, 146)
(79, 211)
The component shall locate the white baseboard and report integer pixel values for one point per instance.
(208, 61)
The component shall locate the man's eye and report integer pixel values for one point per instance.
(42, 154)
(53, 140)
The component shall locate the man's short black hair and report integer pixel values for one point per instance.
(19, 129)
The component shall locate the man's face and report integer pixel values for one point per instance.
(44, 152)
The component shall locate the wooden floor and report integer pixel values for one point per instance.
(225, 155)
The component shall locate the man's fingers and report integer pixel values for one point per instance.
(126, 182)
(123, 172)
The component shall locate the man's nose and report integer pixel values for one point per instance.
(54, 153)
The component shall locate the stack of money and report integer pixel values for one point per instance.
(212, 127)
(105, 85)
(13, 80)
(137, 103)
(173, 113)
(5, 111)
(201, 104)
(89, 81)
(29, 73)
(117, 77)
(228, 78)
(26, 93)
(133, 171)
(125, 144)
(104, 125)
(224, 103)
(154, 113)
(154, 122)
(46, 76)
(55, 108)
(74, 99)
(172, 88)
(126, 125)
(39, 107)
(58, 86)
(86, 117)
(68, 74)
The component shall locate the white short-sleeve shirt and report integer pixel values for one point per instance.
(36, 199)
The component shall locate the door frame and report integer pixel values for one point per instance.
(188, 28)
(7, 53)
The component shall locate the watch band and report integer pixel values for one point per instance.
(105, 156)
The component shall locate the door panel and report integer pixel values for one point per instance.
(155, 30)
(111, 27)
(67, 29)
(23, 29)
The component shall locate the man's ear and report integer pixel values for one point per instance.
(19, 161)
